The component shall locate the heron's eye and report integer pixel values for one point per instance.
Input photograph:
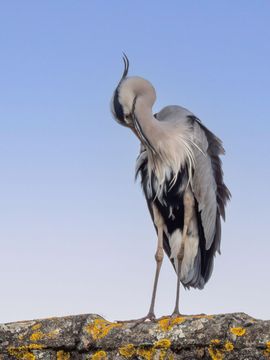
(128, 118)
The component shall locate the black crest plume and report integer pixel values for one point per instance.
(118, 109)
(126, 64)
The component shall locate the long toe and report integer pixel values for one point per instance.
(148, 318)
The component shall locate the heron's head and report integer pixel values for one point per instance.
(128, 94)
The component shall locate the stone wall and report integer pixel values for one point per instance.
(228, 336)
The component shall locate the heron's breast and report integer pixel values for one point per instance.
(168, 196)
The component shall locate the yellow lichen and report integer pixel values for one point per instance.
(62, 355)
(24, 352)
(127, 351)
(215, 341)
(99, 355)
(267, 350)
(146, 354)
(238, 331)
(100, 328)
(158, 351)
(52, 333)
(161, 347)
(162, 344)
(36, 327)
(228, 346)
(36, 336)
(215, 353)
(167, 324)
(26, 355)
(39, 335)
(201, 316)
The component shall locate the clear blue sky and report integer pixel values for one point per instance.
(75, 232)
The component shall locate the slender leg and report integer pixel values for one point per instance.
(188, 206)
(159, 258)
(176, 311)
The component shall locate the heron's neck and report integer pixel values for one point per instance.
(149, 125)
(171, 141)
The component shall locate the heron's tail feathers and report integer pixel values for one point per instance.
(190, 274)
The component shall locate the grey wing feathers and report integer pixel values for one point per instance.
(215, 149)
(208, 186)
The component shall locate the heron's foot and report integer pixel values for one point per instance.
(176, 314)
(148, 318)
(135, 322)
(169, 316)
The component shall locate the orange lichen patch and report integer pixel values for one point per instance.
(162, 344)
(127, 351)
(238, 331)
(99, 355)
(24, 352)
(100, 328)
(167, 324)
(228, 346)
(62, 355)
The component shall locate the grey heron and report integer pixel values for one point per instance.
(182, 180)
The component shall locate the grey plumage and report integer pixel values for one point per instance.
(207, 184)
(182, 180)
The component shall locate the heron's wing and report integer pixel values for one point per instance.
(207, 183)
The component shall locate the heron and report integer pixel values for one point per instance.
(182, 180)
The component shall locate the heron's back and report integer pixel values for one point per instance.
(173, 113)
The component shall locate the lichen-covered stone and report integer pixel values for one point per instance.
(86, 337)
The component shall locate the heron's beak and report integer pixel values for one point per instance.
(139, 133)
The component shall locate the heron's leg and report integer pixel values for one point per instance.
(188, 213)
(158, 220)
(158, 257)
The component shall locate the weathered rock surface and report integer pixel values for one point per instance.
(228, 336)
